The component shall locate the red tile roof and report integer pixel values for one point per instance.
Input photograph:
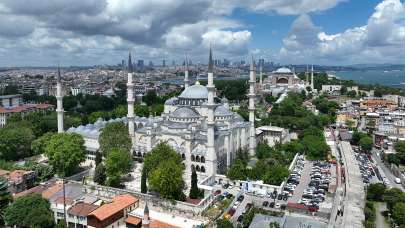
(24, 107)
(82, 209)
(119, 203)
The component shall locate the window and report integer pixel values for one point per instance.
(202, 169)
(202, 159)
(192, 158)
(197, 159)
(197, 168)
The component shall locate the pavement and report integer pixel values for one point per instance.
(304, 181)
(380, 220)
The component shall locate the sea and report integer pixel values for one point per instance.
(391, 78)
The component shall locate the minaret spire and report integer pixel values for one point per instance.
(312, 78)
(211, 158)
(252, 95)
(59, 101)
(306, 77)
(146, 218)
(261, 76)
(130, 101)
(186, 80)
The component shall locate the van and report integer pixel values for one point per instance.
(397, 180)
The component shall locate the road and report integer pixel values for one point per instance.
(380, 220)
(386, 172)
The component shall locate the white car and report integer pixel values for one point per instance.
(277, 205)
(397, 180)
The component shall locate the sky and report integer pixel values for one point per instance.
(96, 32)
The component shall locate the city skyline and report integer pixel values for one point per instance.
(88, 32)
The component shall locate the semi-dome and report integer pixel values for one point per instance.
(283, 70)
(184, 112)
(196, 91)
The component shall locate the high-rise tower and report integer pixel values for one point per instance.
(59, 102)
(211, 157)
(252, 95)
(186, 80)
(130, 100)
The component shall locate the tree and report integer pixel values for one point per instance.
(315, 147)
(366, 143)
(114, 135)
(151, 98)
(118, 162)
(38, 145)
(99, 174)
(357, 136)
(5, 197)
(29, 211)
(99, 158)
(392, 196)
(65, 152)
(142, 110)
(195, 193)
(167, 180)
(237, 171)
(275, 175)
(263, 150)
(144, 187)
(375, 192)
(161, 152)
(350, 124)
(224, 223)
(398, 213)
(274, 225)
(15, 142)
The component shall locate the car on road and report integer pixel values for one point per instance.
(241, 198)
(277, 205)
(397, 180)
(265, 203)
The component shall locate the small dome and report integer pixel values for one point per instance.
(283, 70)
(195, 92)
(184, 112)
(171, 101)
(222, 111)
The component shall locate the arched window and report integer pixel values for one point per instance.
(192, 158)
(139, 154)
(202, 169)
(183, 156)
(197, 159)
(192, 167)
(202, 159)
(197, 168)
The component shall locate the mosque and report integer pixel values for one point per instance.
(197, 124)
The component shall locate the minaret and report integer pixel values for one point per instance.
(130, 100)
(146, 219)
(211, 158)
(59, 102)
(312, 78)
(186, 81)
(251, 95)
(306, 77)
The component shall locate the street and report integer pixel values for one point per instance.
(385, 172)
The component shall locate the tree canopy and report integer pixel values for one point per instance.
(117, 163)
(366, 143)
(65, 152)
(15, 142)
(29, 211)
(114, 135)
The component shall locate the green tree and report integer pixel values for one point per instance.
(5, 197)
(65, 152)
(275, 175)
(114, 135)
(195, 193)
(263, 150)
(375, 192)
(29, 211)
(151, 98)
(161, 152)
(100, 174)
(144, 186)
(167, 180)
(38, 145)
(15, 142)
(366, 143)
(274, 225)
(99, 158)
(121, 111)
(357, 136)
(237, 171)
(398, 213)
(117, 163)
(142, 110)
(224, 223)
(315, 147)
(392, 196)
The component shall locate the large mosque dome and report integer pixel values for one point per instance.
(196, 91)
(283, 70)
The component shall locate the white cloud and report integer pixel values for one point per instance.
(382, 39)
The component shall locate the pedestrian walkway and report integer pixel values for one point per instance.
(380, 220)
